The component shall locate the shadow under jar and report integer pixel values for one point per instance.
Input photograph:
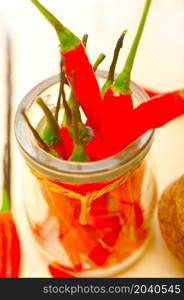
(115, 196)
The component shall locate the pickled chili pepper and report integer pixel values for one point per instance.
(115, 109)
(66, 143)
(150, 92)
(115, 105)
(124, 247)
(108, 227)
(75, 238)
(65, 268)
(57, 271)
(99, 207)
(73, 50)
(137, 179)
(87, 240)
(152, 114)
(98, 61)
(118, 96)
(82, 130)
(149, 115)
(99, 255)
(63, 209)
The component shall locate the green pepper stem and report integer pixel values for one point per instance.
(117, 49)
(62, 93)
(74, 113)
(52, 127)
(110, 79)
(7, 161)
(35, 133)
(85, 39)
(123, 80)
(6, 205)
(98, 61)
(78, 153)
(181, 92)
(67, 39)
(37, 136)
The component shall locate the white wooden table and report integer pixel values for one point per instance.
(159, 64)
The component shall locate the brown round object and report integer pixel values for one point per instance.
(171, 217)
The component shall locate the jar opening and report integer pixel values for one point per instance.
(68, 171)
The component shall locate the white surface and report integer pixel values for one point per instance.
(159, 64)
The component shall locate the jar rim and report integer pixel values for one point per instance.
(81, 172)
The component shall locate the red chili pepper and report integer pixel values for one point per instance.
(76, 239)
(86, 86)
(108, 228)
(152, 114)
(9, 241)
(160, 109)
(57, 271)
(118, 100)
(66, 268)
(92, 146)
(123, 200)
(106, 222)
(99, 255)
(63, 209)
(111, 237)
(9, 247)
(139, 219)
(115, 107)
(124, 247)
(65, 147)
(76, 60)
(68, 240)
(87, 242)
(151, 93)
(137, 179)
(99, 207)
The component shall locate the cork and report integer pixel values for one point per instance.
(171, 217)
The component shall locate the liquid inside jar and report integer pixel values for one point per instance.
(117, 224)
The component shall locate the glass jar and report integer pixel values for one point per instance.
(92, 218)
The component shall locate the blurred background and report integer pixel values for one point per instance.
(159, 65)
